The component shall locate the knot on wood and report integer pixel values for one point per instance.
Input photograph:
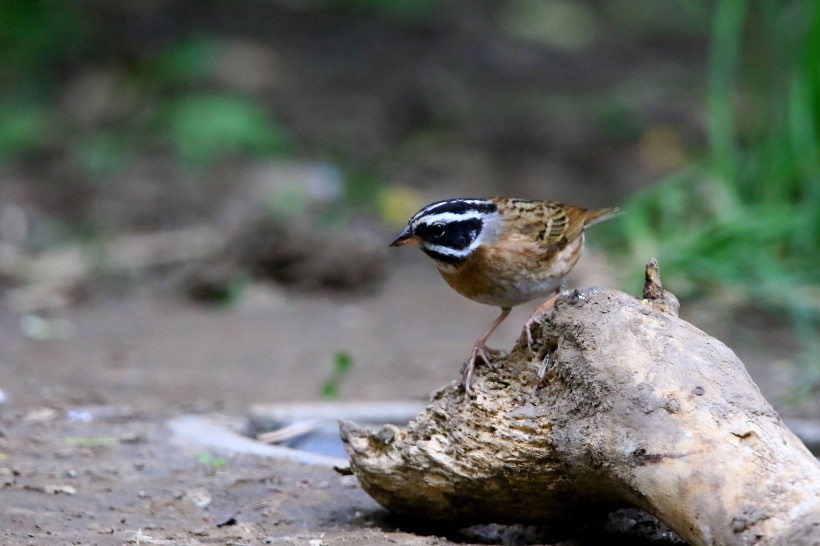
(653, 293)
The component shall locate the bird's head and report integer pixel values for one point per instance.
(449, 231)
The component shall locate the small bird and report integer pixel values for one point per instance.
(502, 251)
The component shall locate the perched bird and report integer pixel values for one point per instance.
(501, 251)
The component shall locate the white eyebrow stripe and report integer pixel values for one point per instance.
(430, 209)
(434, 206)
(447, 217)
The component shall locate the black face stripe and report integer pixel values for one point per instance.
(458, 206)
(443, 257)
(456, 235)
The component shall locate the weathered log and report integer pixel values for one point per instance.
(636, 408)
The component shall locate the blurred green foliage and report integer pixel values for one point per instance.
(656, 18)
(180, 64)
(36, 36)
(743, 224)
(22, 126)
(203, 127)
(168, 100)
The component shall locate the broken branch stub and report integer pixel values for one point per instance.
(638, 408)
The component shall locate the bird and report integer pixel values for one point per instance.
(502, 251)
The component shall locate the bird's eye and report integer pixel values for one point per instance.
(435, 230)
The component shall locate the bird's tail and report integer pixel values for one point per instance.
(599, 215)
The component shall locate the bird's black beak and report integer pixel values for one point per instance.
(405, 238)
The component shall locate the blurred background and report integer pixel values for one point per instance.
(196, 196)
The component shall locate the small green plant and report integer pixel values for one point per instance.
(342, 364)
(92, 441)
(213, 463)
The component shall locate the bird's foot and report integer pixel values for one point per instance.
(537, 316)
(479, 351)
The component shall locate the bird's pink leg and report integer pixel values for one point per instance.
(480, 349)
(538, 314)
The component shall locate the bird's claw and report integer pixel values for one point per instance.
(479, 351)
(535, 319)
(538, 315)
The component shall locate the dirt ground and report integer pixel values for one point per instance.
(88, 458)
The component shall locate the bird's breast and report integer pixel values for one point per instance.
(510, 274)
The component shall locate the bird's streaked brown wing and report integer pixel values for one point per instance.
(566, 222)
(551, 225)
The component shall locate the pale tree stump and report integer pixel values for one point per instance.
(636, 408)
